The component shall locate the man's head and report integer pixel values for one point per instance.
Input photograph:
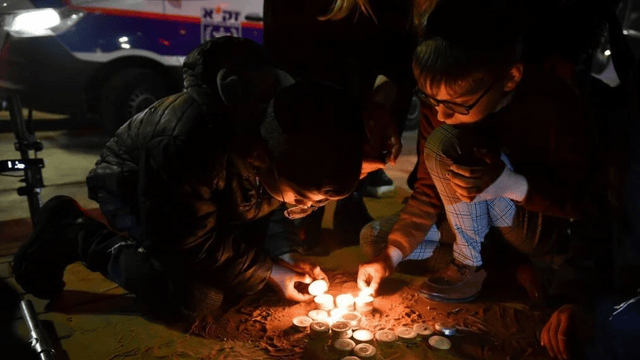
(315, 135)
(469, 59)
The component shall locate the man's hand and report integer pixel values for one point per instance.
(300, 264)
(372, 273)
(284, 280)
(558, 329)
(469, 181)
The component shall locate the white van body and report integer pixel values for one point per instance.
(109, 58)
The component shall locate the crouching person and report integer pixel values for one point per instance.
(186, 186)
(504, 147)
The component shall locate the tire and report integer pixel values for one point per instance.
(128, 93)
(413, 115)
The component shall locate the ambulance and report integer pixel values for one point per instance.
(109, 59)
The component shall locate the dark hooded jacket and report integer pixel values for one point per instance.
(180, 177)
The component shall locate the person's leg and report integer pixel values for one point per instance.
(374, 239)
(462, 280)
(63, 235)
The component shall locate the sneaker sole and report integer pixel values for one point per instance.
(19, 265)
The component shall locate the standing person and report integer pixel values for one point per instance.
(504, 147)
(366, 48)
(186, 186)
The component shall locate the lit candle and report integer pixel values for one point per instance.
(324, 301)
(365, 351)
(364, 303)
(353, 318)
(423, 330)
(386, 338)
(350, 358)
(362, 336)
(319, 330)
(406, 335)
(318, 287)
(336, 315)
(319, 315)
(345, 301)
(341, 330)
(439, 342)
(344, 346)
(302, 322)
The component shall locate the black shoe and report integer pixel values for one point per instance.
(39, 264)
(378, 184)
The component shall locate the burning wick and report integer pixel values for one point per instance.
(324, 301)
(345, 301)
(318, 287)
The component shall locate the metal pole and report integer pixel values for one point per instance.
(39, 340)
(26, 141)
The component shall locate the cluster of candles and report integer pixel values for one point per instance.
(341, 323)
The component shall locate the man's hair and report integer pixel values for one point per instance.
(315, 134)
(465, 38)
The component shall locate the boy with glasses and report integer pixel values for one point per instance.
(505, 147)
(193, 188)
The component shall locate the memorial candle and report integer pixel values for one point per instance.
(324, 301)
(318, 287)
(364, 303)
(345, 301)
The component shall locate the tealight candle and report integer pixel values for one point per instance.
(337, 313)
(365, 351)
(385, 337)
(344, 346)
(341, 330)
(301, 322)
(364, 303)
(318, 287)
(345, 301)
(362, 336)
(423, 330)
(319, 330)
(353, 318)
(406, 335)
(350, 358)
(324, 301)
(319, 315)
(440, 342)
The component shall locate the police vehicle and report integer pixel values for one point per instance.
(109, 59)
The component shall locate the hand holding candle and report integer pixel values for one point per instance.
(372, 273)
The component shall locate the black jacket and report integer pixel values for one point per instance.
(180, 176)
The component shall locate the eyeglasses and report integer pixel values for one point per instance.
(455, 107)
(298, 211)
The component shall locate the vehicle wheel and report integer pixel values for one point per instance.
(128, 93)
(413, 116)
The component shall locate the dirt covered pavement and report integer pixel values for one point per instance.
(486, 329)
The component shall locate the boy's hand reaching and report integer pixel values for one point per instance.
(372, 273)
(469, 181)
(558, 329)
